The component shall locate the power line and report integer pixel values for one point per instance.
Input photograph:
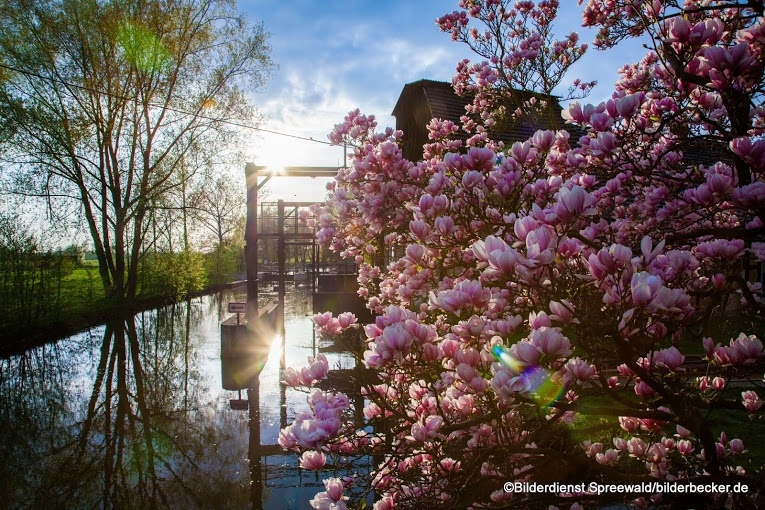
(235, 123)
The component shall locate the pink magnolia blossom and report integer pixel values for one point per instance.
(683, 432)
(506, 384)
(578, 370)
(420, 229)
(750, 347)
(645, 288)
(287, 439)
(643, 390)
(346, 319)
(550, 342)
(291, 377)
(323, 502)
(742, 350)
(708, 346)
(312, 460)
(750, 195)
(685, 447)
(573, 202)
(629, 424)
(318, 369)
(649, 291)
(539, 320)
(591, 448)
(524, 225)
(504, 260)
(656, 453)
(670, 358)
(386, 502)
(332, 498)
(540, 246)
(563, 312)
(637, 447)
(610, 456)
(322, 319)
(736, 446)
(751, 400)
(444, 225)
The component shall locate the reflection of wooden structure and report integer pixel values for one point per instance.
(284, 228)
(337, 293)
(244, 347)
(276, 478)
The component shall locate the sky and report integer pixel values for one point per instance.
(337, 55)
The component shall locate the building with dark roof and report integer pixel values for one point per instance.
(424, 100)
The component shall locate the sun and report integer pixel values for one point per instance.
(275, 153)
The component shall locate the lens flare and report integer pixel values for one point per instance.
(542, 387)
(142, 48)
(506, 359)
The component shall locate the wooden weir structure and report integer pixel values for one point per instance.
(245, 344)
(257, 177)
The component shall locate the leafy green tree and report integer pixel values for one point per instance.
(105, 99)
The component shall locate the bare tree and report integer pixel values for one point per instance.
(104, 100)
(217, 205)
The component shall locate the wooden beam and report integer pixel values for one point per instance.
(292, 171)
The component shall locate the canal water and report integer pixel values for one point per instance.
(132, 414)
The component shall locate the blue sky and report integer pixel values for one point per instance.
(334, 56)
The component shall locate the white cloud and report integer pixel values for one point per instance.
(338, 56)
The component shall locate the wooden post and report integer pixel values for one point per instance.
(251, 235)
(251, 240)
(282, 249)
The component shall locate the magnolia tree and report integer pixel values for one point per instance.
(554, 311)
(516, 39)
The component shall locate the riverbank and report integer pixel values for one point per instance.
(99, 312)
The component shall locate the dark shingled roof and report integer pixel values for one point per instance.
(424, 100)
(442, 101)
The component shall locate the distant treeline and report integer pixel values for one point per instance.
(50, 292)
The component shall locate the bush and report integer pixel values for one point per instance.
(222, 264)
(172, 275)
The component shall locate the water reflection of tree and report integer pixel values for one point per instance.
(141, 436)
